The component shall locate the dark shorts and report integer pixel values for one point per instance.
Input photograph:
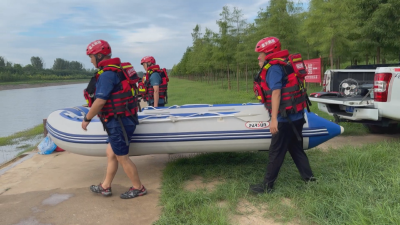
(117, 140)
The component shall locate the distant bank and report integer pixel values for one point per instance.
(35, 84)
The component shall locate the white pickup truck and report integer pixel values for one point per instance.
(376, 108)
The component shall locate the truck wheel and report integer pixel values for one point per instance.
(377, 129)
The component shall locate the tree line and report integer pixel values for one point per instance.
(341, 32)
(61, 69)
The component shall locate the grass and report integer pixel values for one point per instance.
(43, 81)
(22, 135)
(355, 186)
(181, 91)
(28, 148)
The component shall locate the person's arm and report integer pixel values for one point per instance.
(155, 81)
(93, 111)
(156, 95)
(96, 107)
(275, 101)
(274, 81)
(104, 87)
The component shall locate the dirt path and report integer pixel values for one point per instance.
(54, 189)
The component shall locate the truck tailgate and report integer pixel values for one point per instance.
(351, 101)
(352, 108)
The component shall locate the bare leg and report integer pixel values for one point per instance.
(112, 167)
(130, 170)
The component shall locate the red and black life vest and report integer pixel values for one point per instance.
(123, 102)
(293, 96)
(145, 88)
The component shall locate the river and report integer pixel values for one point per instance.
(22, 109)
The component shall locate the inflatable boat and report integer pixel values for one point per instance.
(191, 128)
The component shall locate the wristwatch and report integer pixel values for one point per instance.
(85, 119)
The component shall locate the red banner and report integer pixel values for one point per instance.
(313, 67)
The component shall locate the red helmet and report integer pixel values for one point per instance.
(149, 59)
(98, 46)
(268, 45)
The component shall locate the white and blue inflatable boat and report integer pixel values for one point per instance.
(184, 129)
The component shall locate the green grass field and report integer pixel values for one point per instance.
(355, 185)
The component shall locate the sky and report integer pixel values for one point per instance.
(62, 29)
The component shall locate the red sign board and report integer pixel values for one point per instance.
(313, 67)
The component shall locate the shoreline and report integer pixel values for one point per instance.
(4, 87)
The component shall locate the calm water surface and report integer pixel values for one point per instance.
(22, 109)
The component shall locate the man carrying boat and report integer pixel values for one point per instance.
(115, 104)
(154, 85)
(279, 85)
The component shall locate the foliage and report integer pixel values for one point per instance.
(338, 31)
(61, 70)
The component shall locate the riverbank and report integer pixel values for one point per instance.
(14, 145)
(39, 83)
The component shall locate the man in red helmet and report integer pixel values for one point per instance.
(156, 82)
(109, 92)
(286, 127)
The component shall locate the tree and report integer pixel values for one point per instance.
(28, 68)
(328, 25)
(75, 65)
(281, 20)
(17, 66)
(37, 62)
(196, 33)
(379, 25)
(60, 64)
(2, 61)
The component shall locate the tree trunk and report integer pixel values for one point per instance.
(331, 53)
(322, 72)
(337, 63)
(247, 90)
(229, 79)
(214, 77)
(222, 82)
(355, 62)
(378, 55)
(237, 77)
(366, 59)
